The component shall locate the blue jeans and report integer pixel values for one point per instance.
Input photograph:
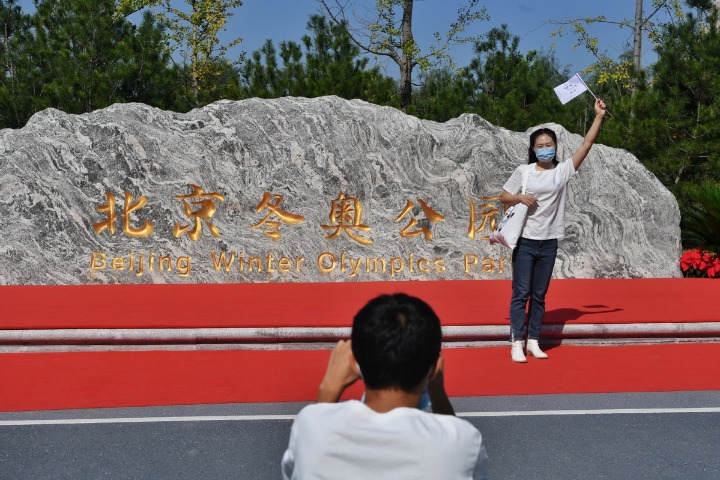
(532, 264)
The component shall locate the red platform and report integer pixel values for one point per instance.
(483, 302)
(41, 381)
(32, 381)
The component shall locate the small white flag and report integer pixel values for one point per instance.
(570, 89)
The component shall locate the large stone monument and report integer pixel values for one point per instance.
(294, 189)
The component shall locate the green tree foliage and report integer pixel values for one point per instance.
(686, 89)
(151, 77)
(515, 90)
(74, 56)
(390, 34)
(443, 94)
(327, 63)
(701, 217)
(261, 76)
(195, 30)
(672, 123)
(79, 52)
(14, 32)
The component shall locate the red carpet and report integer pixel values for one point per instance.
(39, 381)
(32, 381)
(482, 302)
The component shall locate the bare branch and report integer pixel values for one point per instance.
(340, 18)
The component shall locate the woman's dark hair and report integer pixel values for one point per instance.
(533, 136)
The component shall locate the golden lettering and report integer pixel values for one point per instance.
(269, 264)
(488, 265)
(206, 209)
(489, 212)
(97, 261)
(374, 262)
(346, 216)
(431, 216)
(423, 265)
(136, 263)
(226, 260)
(272, 204)
(355, 267)
(184, 266)
(130, 207)
(109, 209)
(221, 261)
(396, 266)
(284, 264)
(470, 261)
(254, 263)
(321, 261)
(165, 262)
(328, 262)
(343, 266)
(140, 269)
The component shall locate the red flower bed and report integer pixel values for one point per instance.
(700, 264)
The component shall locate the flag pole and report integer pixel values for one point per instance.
(586, 85)
(591, 93)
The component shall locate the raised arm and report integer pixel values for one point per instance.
(591, 135)
(340, 374)
(436, 389)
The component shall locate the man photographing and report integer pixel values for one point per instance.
(395, 348)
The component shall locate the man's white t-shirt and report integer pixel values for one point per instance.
(348, 440)
(546, 220)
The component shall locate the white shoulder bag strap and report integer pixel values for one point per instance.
(526, 175)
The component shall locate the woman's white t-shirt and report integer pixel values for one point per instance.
(546, 220)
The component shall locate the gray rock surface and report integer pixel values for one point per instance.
(56, 171)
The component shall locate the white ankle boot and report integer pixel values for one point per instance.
(517, 352)
(534, 349)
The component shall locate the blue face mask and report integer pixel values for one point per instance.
(545, 154)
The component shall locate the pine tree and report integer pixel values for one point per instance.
(515, 90)
(15, 100)
(83, 58)
(676, 123)
(326, 63)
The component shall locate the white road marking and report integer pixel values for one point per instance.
(242, 418)
(611, 411)
(206, 418)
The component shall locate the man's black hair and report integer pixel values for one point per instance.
(396, 340)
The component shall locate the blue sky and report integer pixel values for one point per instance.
(258, 20)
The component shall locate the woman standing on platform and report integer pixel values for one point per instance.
(533, 258)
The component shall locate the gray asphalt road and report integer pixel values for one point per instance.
(618, 436)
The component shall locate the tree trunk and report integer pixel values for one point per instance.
(407, 56)
(637, 38)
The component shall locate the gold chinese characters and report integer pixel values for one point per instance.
(344, 219)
